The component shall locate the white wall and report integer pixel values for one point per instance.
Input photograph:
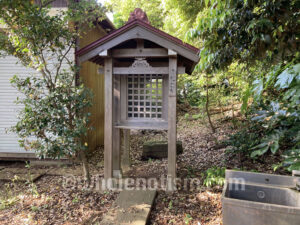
(8, 109)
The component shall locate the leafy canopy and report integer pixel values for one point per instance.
(247, 30)
(122, 11)
(53, 119)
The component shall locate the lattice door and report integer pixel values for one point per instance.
(145, 96)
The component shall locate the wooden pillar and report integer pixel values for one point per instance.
(108, 115)
(117, 173)
(126, 150)
(172, 131)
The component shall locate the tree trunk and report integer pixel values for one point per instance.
(85, 166)
(221, 107)
(207, 107)
(232, 105)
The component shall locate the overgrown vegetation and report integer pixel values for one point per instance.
(249, 57)
(249, 75)
(214, 176)
(10, 193)
(53, 120)
(264, 37)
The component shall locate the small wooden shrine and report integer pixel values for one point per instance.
(140, 65)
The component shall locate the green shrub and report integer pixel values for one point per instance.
(214, 176)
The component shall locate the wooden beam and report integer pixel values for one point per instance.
(119, 63)
(126, 151)
(142, 33)
(136, 70)
(117, 173)
(103, 53)
(140, 43)
(108, 115)
(142, 52)
(165, 95)
(172, 53)
(172, 131)
(143, 125)
(123, 96)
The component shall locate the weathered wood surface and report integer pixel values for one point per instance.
(116, 132)
(125, 160)
(95, 82)
(172, 130)
(17, 156)
(108, 135)
(143, 125)
(142, 52)
(123, 98)
(165, 96)
(150, 70)
(131, 208)
(141, 33)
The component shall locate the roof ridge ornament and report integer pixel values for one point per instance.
(140, 63)
(138, 14)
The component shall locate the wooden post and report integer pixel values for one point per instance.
(139, 43)
(117, 173)
(172, 132)
(108, 115)
(126, 150)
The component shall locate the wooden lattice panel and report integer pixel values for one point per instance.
(145, 94)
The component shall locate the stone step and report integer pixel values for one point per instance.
(130, 208)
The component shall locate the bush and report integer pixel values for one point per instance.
(214, 176)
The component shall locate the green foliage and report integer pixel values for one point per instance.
(246, 31)
(54, 117)
(262, 35)
(243, 140)
(270, 142)
(189, 90)
(35, 208)
(188, 218)
(154, 10)
(214, 176)
(191, 172)
(32, 187)
(118, 21)
(52, 123)
(274, 117)
(292, 159)
(31, 31)
(170, 205)
(280, 116)
(8, 194)
(75, 200)
(254, 46)
(8, 202)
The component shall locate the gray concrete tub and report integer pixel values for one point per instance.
(260, 199)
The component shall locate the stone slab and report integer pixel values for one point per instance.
(158, 149)
(49, 162)
(24, 170)
(64, 171)
(130, 208)
(22, 174)
(19, 177)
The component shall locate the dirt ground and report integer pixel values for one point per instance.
(202, 150)
(49, 200)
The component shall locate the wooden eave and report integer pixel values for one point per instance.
(137, 29)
